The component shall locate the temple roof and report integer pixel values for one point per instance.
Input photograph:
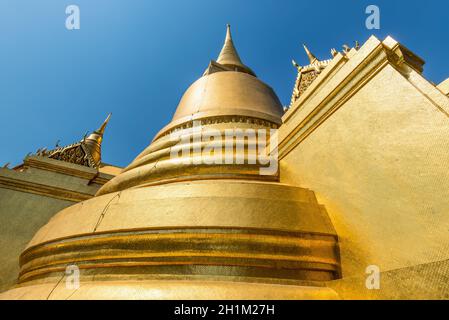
(307, 74)
(86, 152)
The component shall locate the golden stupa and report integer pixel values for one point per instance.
(164, 228)
(365, 135)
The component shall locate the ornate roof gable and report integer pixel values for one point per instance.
(76, 153)
(307, 75)
(86, 152)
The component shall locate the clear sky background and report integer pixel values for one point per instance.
(135, 58)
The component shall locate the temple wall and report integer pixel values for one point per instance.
(21, 216)
(29, 198)
(380, 165)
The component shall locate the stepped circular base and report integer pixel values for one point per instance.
(169, 290)
(241, 230)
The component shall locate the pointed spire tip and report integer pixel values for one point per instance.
(229, 57)
(310, 55)
(228, 33)
(103, 126)
(228, 54)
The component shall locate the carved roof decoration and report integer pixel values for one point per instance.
(214, 66)
(308, 74)
(76, 153)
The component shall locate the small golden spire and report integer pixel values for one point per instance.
(105, 123)
(228, 55)
(93, 141)
(296, 65)
(310, 55)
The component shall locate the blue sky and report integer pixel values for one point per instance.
(135, 58)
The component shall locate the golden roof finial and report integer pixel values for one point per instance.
(296, 65)
(93, 141)
(105, 123)
(310, 55)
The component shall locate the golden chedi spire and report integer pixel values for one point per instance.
(93, 141)
(227, 93)
(228, 55)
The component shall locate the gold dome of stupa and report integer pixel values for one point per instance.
(170, 228)
(226, 96)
